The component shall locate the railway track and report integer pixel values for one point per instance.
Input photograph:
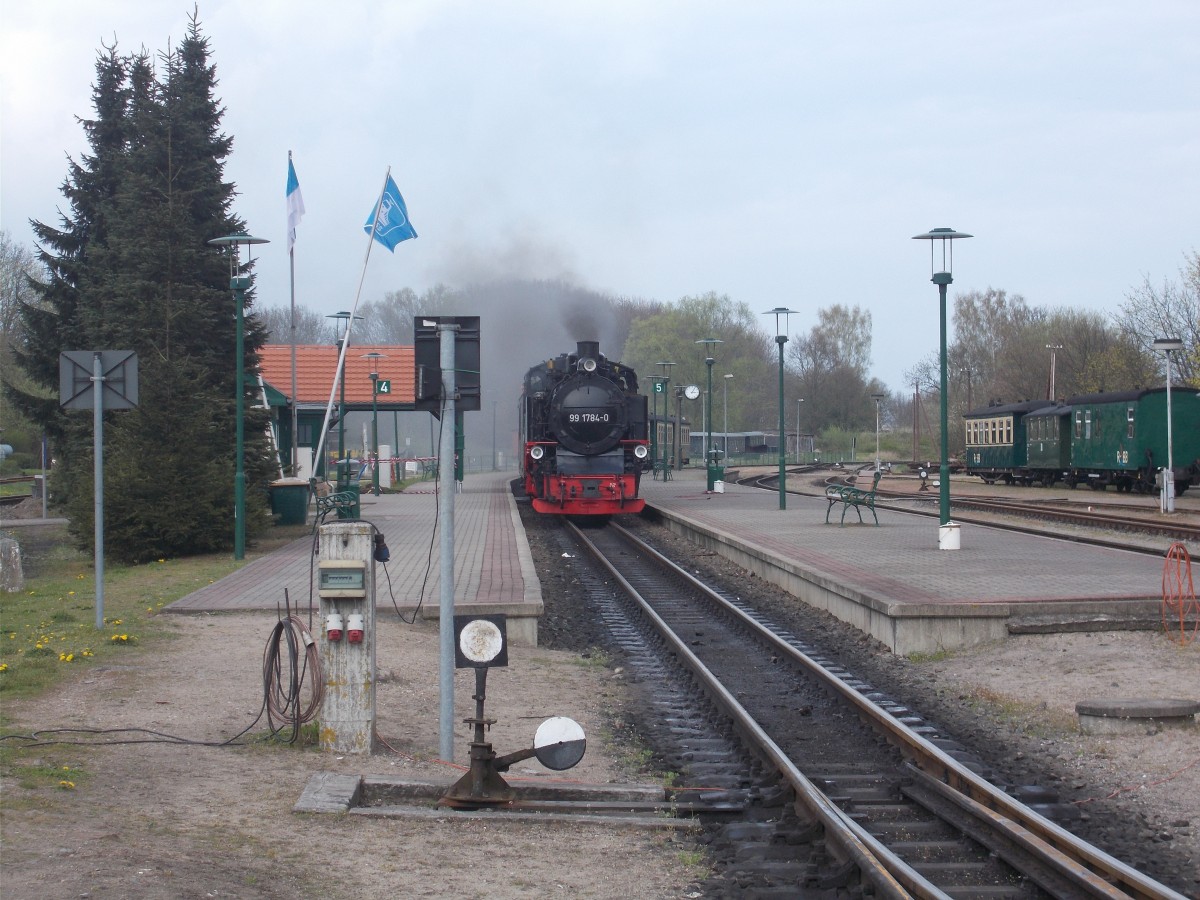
(850, 791)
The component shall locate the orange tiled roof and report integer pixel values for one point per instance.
(316, 365)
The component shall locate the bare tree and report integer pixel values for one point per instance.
(311, 326)
(1172, 310)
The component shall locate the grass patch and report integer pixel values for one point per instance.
(930, 657)
(48, 634)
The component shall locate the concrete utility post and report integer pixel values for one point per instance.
(346, 586)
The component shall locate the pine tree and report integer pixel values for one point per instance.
(133, 270)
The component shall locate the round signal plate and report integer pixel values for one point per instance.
(480, 641)
(559, 743)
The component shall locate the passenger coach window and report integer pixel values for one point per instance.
(1087, 424)
(1129, 419)
(1078, 423)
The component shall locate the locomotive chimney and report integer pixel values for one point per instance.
(589, 350)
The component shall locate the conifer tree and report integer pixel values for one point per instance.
(132, 270)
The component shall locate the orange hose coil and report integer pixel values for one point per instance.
(1179, 596)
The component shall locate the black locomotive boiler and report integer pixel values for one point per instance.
(584, 435)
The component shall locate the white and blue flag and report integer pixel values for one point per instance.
(295, 203)
(392, 225)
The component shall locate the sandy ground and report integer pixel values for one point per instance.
(170, 820)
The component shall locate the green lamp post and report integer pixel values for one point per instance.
(343, 318)
(946, 237)
(239, 283)
(374, 357)
(781, 339)
(666, 413)
(710, 453)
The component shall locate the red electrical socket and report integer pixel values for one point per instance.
(333, 627)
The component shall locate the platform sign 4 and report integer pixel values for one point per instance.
(383, 386)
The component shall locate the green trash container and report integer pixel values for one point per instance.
(289, 501)
(355, 511)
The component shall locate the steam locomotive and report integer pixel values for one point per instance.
(584, 434)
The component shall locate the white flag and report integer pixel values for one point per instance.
(295, 203)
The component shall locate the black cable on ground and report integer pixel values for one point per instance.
(283, 686)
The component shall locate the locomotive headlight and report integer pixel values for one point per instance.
(537, 451)
(588, 365)
(640, 451)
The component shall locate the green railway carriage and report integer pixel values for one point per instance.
(1121, 439)
(1047, 445)
(995, 440)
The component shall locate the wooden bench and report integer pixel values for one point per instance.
(331, 501)
(853, 498)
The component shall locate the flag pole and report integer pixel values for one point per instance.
(341, 365)
(292, 291)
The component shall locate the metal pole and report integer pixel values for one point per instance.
(799, 400)
(295, 402)
(943, 279)
(98, 475)
(375, 431)
(725, 426)
(446, 486)
(1169, 475)
(239, 478)
(711, 445)
(677, 434)
(781, 339)
(494, 404)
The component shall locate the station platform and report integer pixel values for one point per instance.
(893, 582)
(493, 568)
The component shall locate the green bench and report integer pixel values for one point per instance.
(851, 497)
(344, 503)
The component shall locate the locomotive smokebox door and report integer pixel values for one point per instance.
(559, 743)
(480, 642)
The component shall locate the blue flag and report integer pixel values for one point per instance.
(392, 226)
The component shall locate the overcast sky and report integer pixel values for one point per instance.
(781, 152)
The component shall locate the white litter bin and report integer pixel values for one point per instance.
(948, 536)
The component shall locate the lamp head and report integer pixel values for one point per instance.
(946, 238)
(777, 312)
(235, 243)
(1166, 345)
(374, 357)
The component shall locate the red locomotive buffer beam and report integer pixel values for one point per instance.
(591, 494)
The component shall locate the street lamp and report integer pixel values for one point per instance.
(374, 357)
(781, 339)
(238, 283)
(727, 377)
(878, 398)
(666, 414)
(1167, 501)
(709, 349)
(946, 236)
(343, 318)
(799, 400)
(1053, 348)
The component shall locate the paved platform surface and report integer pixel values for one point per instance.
(893, 581)
(492, 563)
(900, 558)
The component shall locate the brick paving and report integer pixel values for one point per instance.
(492, 562)
(900, 560)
